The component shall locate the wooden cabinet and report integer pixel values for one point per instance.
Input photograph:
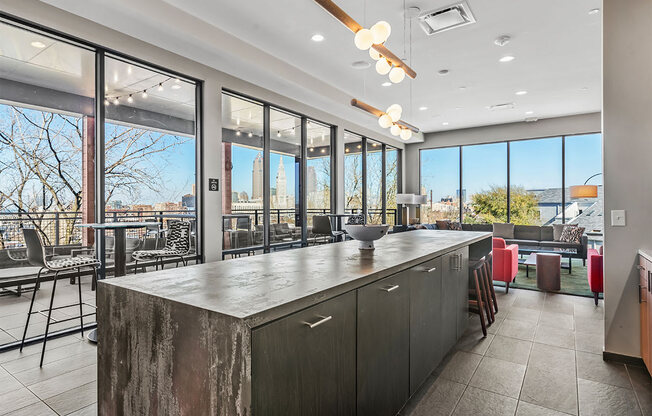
(383, 345)
(462, 276)
(425, 321)
(645, 301)
(455, 287)
(305, 364)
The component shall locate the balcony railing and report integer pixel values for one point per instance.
(289, 215)
(58, 228)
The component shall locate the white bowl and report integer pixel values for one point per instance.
(366, 234)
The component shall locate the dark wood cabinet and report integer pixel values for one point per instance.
(305, 364)
(383, 345)
(425, 321)
(462, 276)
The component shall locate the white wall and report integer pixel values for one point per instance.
(214, 81)
(627, 138)
(577, 124)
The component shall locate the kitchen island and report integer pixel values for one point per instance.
(319, 330)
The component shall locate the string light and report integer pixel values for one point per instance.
(143, 93)
(130, 99)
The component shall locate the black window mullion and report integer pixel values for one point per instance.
(303, 197)
(100, 116)
(460, 191)
(563, 179)
(364, 178)
(266, 178)
(333, 191)
(384, 184)
(509, 186)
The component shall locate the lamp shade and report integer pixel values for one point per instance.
(584, 191)
(404, 199)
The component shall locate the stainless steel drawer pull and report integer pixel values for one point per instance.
(431, 270)
(321, 321)
(390, 288)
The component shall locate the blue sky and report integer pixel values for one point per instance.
(535, 164)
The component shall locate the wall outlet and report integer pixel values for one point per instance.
(618, 218)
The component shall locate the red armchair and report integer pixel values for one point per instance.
(505, 261)
(594, 273)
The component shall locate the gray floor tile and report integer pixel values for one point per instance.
(16, 399)
(597, 399)
(543, 355)
(439, 400)
(29, 362)
(529, 302)
(593, 343)
(558, 337)
(64, 382)
(480, 402)
(593, 367)
(589, 311)
(509, 349)
(556, 320)
(461, 367)
(517, 329)
(498, 376)
(86, 411)
(642, 383)
(473, 341)
(589, 326)
(36, 348)
(36, 409)
(524, 314)
(529, 409)
(38, 374)
(73, 400)
(552, 387)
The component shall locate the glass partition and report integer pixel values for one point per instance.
(242, 173)
(318, 171)
(484, 183)
(440, 182)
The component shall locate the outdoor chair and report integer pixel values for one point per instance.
(177, 245)
(322, 231)
(36, 257)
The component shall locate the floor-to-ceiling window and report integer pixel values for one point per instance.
(535, 174)
(242, 173)
(440, 182)
(318, 171)
(392, 183)
(375, 180)
(484, 183)
(353, 184)
(284, 174)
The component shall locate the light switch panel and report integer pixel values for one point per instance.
(618, 218)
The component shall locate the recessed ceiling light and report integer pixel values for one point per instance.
(423, 108)
(317, 37)
(502, 40)
(584, 88)
(360, 64)
(462, 88)
(445, 123)
(459, 108)
(506, 58)
(529, 112)
(521, 92)
(594, 11)
(38, 44)
(443, 72)
(386, 84)
(176, 86)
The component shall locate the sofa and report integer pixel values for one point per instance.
(594, 273)
(539, 237)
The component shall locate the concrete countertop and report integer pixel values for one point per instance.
(262, 288)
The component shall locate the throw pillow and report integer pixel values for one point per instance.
(442, 224)
(503, 230)
(572, 235)
(558, 229)
(455, 226)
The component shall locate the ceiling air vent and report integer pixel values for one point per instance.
(505, 106)
(449, 17)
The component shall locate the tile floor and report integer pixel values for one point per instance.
(542, 357)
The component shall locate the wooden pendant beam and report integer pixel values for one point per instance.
(354, 27)
(377, 113)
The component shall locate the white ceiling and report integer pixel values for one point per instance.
(556, 43)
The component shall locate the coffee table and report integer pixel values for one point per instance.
(566, 253)
(531, 260)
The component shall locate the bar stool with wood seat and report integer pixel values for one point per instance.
(36, 257)
(477, 294)
(491, 292)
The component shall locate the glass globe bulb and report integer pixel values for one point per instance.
(363, 39)
(395, 130)
(374, 54)
(381, 31)
(383, 67)
(394, 111)
(384, 121)
(397, 74)
(406, 134)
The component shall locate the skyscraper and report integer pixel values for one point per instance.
(257, 178)
(281, 186)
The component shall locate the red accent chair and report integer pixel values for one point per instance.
(505, 261)
(594, 273)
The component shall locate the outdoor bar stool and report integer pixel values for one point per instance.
(36, 257)
(477, 294)
(177, 245)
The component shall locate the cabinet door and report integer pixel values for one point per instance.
(383, 345)
(449, 301)
(425, 321)
(304, 364)
(462, 291)
(643, 293)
